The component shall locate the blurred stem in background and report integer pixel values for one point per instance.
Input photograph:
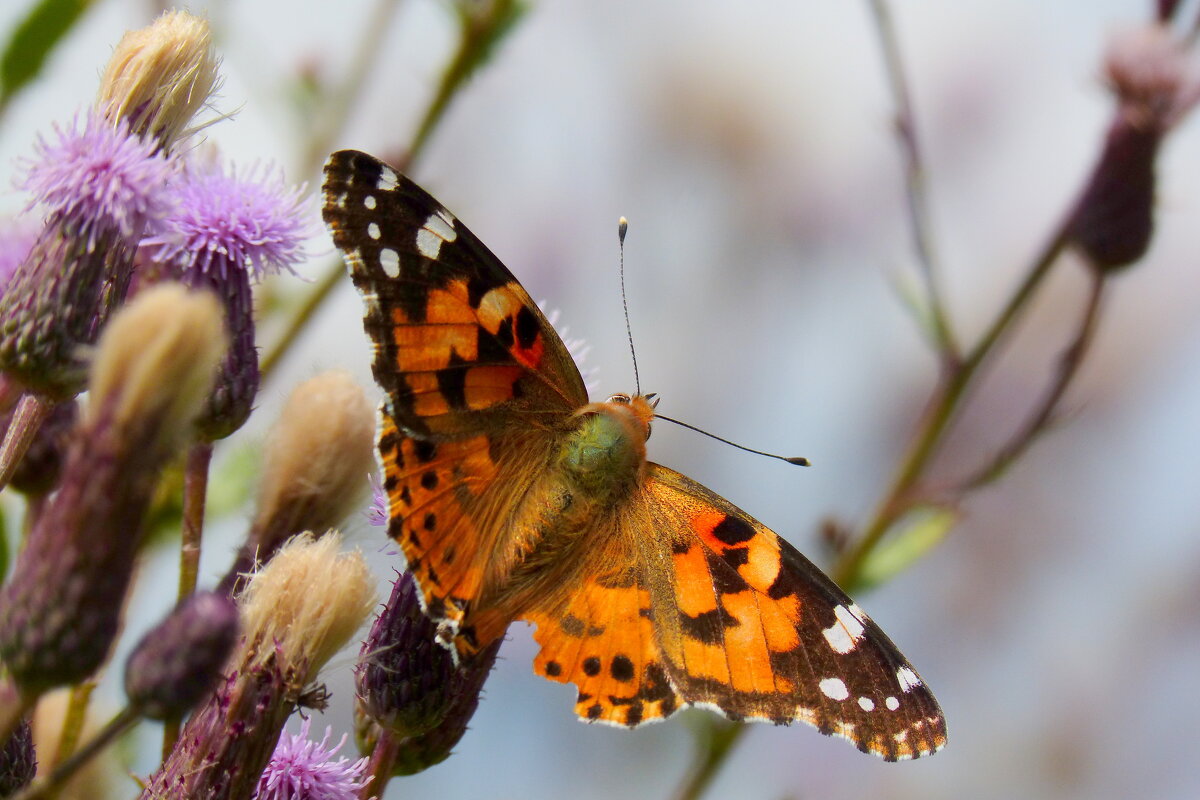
(1110, 225)
(481, 28)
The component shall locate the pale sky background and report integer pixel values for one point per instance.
(749, 145)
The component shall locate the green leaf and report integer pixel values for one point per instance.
(913, 535)
(30, 45)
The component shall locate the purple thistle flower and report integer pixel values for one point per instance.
(100, 177)
(377, 513)
(226, 221)
(301, 769)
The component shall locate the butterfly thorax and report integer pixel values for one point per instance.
(606, 453)
(551, 536)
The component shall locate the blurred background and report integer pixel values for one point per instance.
(750, 144)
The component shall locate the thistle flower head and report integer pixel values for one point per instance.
(18, 761)
(305, 604)
(1154, 76)
(317, 453)
(160, 76)
(99, 176)
(302, 769)
(578, 348)
(179, 660)
(222, 222)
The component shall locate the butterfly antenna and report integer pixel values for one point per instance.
(622, 229)
(799, 461)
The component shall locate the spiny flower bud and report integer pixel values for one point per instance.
(179, 660)
(405, 679)
(296, 613)
(1156, 84)
(60, 610)
(316, 457)
(160, 76)
(410, 687)
(18, 763)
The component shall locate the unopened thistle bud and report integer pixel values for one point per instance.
(297, 612)
(160, 76)
(18, 762)
(226, 231)
(405, 678)
(409, 686)
(317, 456)
(60, 610)
(1156, 84)
(180, 660)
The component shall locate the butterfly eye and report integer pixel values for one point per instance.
(624, 399)
(647, 430)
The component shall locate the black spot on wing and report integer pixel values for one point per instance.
(733, 531)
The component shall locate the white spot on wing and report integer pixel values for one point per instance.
(373, 230)
(369, 201)
(834, 688)
(389, 261)
(892, 703)
(866, 704)
(441, 224)
(908, 679)
(429, 244)
(844, 634)
(388, 180)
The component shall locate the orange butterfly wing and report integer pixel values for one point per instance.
(476, 380)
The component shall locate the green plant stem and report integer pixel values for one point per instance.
(476, 38)
(72, 727)
(195, 491)
(381, 765)
(31, 412)
(940, 412)
(914, 171)
(339, 102)
(714, 751)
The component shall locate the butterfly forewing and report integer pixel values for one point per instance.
(457, 340)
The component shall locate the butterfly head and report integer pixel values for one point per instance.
(640, 407)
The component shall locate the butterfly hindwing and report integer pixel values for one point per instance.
(597, 633)
(459, 345)
(744, 623)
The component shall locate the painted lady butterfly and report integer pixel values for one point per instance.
(515, 498)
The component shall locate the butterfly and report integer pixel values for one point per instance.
(515, 498)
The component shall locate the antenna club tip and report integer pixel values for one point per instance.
(622, 228)
(799, 461)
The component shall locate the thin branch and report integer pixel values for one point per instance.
(32, 411)
(718, 744)
(915, 185)
(1044, 413)
(941, 411)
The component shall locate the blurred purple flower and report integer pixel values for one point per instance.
(301, 769)
(100, 174)
(220, 222)
(16, 240)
